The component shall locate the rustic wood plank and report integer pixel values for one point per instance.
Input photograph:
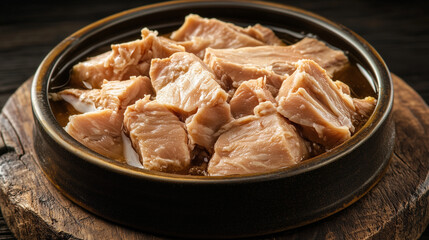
(29, 30)
(397, 208)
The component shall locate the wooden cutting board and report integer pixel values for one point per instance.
(396, 208)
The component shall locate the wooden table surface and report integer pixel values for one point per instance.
(398, 30)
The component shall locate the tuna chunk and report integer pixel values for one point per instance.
(329, 59)
(117, 95)
(114, 95)
(197, 46)
(344, 88)
(99, 131)
(311, 99)
(100, 127)
(248, 96)
(217, 34)
(364, 108)
(123, 61)
(183, 82)
(158, 136)
(261, 33)
(82, 100)
(161, 47)
(234, 66)
(258, 143)
(203, 125)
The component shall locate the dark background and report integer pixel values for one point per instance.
(399, 30)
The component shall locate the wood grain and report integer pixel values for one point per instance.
(397, 208)
(399, 32)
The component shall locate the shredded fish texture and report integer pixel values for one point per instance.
(212, 99)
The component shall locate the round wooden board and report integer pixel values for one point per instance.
(396, 208)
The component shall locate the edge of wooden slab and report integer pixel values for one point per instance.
(397, 208)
